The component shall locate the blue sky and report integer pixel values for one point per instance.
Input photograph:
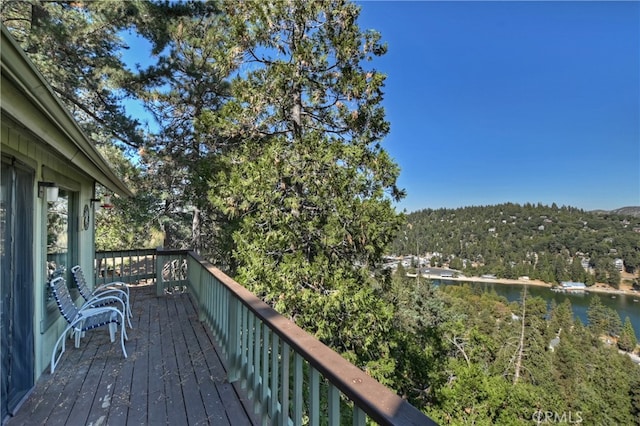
(493, 102)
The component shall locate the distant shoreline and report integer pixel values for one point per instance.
(596, 288)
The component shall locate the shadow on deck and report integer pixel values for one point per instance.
(173, 374)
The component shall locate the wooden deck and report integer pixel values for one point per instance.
(173, 375)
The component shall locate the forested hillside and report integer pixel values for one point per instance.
(493, 362)
(549, 243)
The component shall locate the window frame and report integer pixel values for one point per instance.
(50, 310)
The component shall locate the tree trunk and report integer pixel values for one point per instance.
(196, 235)
(516, 375)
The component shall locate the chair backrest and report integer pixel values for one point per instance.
(65, 303)
(81, 282)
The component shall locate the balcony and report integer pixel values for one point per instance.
(204, 350)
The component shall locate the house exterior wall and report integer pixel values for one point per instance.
(40, 142)
(20, 144)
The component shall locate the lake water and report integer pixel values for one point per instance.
(623, 304)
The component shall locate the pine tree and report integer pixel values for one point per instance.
(302, 175)
(76, 46)
(597, 316)
(627, 341)
(577, 272)
(188, 79)
(634, 393)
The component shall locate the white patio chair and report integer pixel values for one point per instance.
(85, 318)
(116, 289)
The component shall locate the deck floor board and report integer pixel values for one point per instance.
(173, 374)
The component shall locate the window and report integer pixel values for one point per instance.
(62, 243)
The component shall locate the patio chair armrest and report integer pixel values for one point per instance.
(110, 292)
(99, 299)
(112, 284)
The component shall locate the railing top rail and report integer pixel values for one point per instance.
(111, 252)
(173, 252)
(379, 402)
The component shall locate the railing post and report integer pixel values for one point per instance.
(248, 351)
(274, 375)
(242, 354)
(159, 278)
(284, 381)
(359, 417)
(257, 345)
(334, 405)
(264, 391)
(298, 381)
(196, 278)
(314, 397)
(234, 339)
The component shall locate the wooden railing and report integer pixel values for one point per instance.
(126, 266)
(290, 377)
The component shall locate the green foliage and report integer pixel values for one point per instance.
(581, 375)
(606, 385)
(187, 80)
(299, 176)
(76, 47)
(131, 222)
(602, 319)
(542, 242)
(419, 341)
(627, 341)
(634, 393)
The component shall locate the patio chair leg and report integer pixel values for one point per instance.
(129, 315)
(122, 336)
(78, 336)
(61, 340)
(112, 331)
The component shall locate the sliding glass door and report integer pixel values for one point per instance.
(16, 269)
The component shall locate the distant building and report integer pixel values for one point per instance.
(619, 264)
(553, 344)
(585, 263)
(571, 286)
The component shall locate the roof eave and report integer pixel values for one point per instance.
(17, 67)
